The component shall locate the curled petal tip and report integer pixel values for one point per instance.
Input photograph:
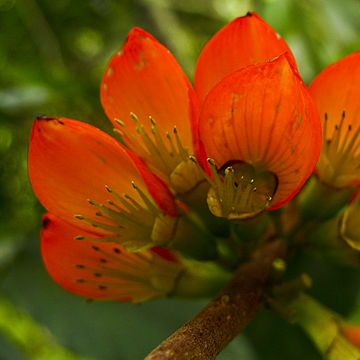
(137, 32)
(45, 117)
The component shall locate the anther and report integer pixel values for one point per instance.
(121, 123)
(153, 122)
(134, 117)
(193, 159)
(211, 162)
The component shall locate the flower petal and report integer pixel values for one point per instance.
(336, 93)
(144, 78)
(246, 40)
(337, 88)
(104, 270)
(352, 332)
(71, 162)
(264, 116)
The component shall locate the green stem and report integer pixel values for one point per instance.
(33, 339)
(324, 328)
(200, 279)
(319, 201)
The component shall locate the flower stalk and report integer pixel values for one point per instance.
(324, 327)
(204, 336)
(319, 201)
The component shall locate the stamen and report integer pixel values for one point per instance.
(339, 161)
(139, 276)
(132, 224)
(167, 158)
(238, 191)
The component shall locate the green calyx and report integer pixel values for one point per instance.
(200, 279)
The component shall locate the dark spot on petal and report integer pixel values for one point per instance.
(46, 222)
(80, 280)
(117, 250)
(80, 266)
(103, 260)
(101, 159)
(44, 117)
(102, 287)
(96, 248)
(49, 118)
(97, 274)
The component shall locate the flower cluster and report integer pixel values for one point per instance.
(151, 214)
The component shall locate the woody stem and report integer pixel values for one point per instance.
(204, 336)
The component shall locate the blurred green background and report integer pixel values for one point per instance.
(52, 56)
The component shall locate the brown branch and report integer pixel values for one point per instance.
(204, 336)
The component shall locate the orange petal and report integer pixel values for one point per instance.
(264, 116)
(102, 270)
(144, 78)
(352, 332)
(246, 40)
(336, 90)
(71, 162)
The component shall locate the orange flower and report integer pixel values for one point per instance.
(262, 116)
(252, 115)
(336, 94)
